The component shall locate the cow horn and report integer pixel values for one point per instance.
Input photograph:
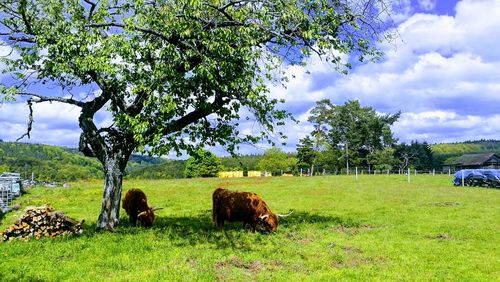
(284, 215)
(141, 213)
(262, 217)
(155, 209)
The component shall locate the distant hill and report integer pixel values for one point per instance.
(448, 152)
(164, 169)
(48, 163)
(53, 163)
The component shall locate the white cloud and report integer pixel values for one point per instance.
(443, 75)
(301, 84)
(6, 52)
(446, 126)
(54, 123)
(427, 4)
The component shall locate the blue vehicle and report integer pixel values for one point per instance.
(492, 178)
(478, 178)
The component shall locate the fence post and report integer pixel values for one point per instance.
(356, 173)
(463, 180)
(433, 171)
(415, 172)
(449, 171)
(301, 172)
(409, 176)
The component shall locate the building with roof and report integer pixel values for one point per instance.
(474, 161)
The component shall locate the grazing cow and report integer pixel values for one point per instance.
(243, 206)
(135, 204)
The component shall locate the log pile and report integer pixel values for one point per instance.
(38, 222)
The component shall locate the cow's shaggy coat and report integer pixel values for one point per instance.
(247, 207)
(136, 205)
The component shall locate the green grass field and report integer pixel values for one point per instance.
(380, 228)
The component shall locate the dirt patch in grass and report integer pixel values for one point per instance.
(64, 258)
(251, 268)
(192, 262)
(353, 257)
(299, 238)
(352, 250)
(445, 204)
(304, 241)
(353, 230)
(440, 236)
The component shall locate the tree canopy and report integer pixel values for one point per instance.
(174, 75)
(202, 164)
(414, 155)
(307, 153)
(358, 132)
(275, 161)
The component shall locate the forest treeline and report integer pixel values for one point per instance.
(52, 163)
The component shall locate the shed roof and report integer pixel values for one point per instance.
(477, 159)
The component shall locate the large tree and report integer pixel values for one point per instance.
(275, 161)
(358, 132)
(175, 75)
(307, 153)
(414, 155)
(202, 164)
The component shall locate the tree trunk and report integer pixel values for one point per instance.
(114, 166)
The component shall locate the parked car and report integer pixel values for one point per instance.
(478, 177)
(492, 178)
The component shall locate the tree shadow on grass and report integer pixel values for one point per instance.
(301, 217)
(198, 229)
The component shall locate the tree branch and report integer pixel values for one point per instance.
(193, 116)
(22, 39)
(95, 105)
(30, 121)
(22, 11)
(171, 40)
(136, 107)
(92, 8)
(43, 98)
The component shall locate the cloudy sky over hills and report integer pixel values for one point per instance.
(442, 73)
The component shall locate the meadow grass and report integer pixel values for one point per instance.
(378, 228)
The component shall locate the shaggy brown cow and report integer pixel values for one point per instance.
(243, 206)
(135, 204)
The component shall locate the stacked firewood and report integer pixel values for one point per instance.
(37, 222)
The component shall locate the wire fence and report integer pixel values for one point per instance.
(10, 187)
(367, 171)
(6, 195)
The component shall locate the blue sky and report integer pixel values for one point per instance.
(442, 73)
